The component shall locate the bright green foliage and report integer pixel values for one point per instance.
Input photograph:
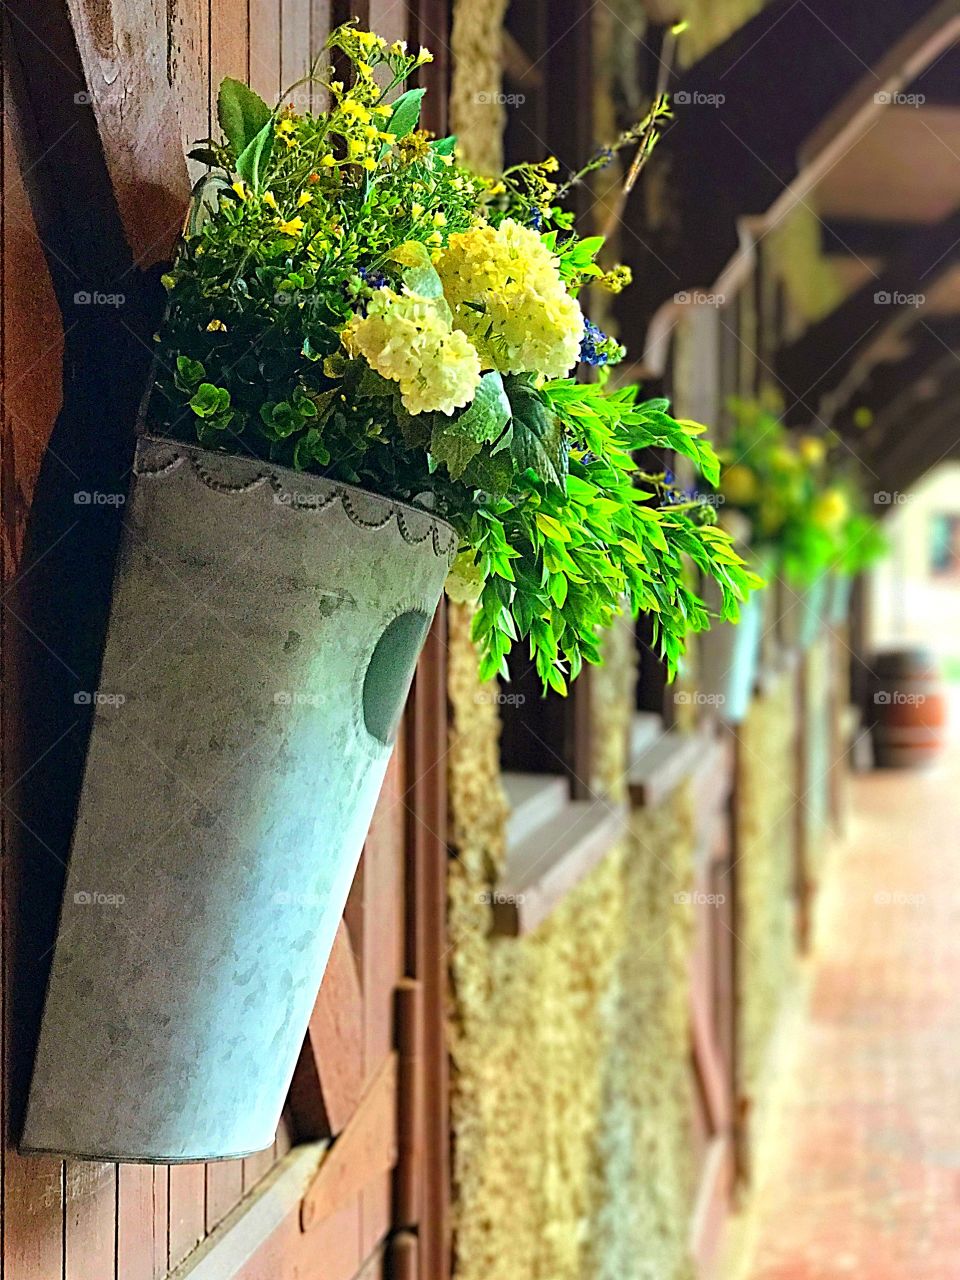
(781, 482)
(308, 324)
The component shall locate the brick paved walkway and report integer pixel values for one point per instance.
(862, 1176)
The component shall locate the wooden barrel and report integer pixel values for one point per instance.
(908, 709)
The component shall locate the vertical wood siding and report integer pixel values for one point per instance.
(94, 188)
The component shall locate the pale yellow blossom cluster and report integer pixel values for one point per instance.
(411, 341)
(507, 296)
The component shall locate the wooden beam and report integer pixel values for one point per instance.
(366, 1147)
(757, 148)
(861, 239)
(822, 368)
(328, 1081)
(895, 386)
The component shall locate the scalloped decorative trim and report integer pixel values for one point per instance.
(442, 538)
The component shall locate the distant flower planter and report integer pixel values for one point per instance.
(730, 656)
(840, 591)
(264, 631)
(802, 613)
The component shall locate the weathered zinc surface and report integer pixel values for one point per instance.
(263, 634)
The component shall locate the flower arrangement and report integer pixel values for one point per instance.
(350, 300)
(777, 481)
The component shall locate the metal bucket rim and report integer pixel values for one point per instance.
(158, 455)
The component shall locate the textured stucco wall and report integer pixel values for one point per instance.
(765, 873)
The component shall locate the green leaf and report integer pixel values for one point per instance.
(537, 436)
(457, 440)
(189, 372)
(253, 160)
(242, 114)
(444, 146)
(208, 400)
(406, 113)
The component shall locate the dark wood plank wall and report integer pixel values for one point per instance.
(151, 73)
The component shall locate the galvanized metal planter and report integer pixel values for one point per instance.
(729, 658)
(802, 614)
(264, 630)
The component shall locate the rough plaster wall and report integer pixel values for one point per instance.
(571, 1098)
(819, 731)
(765, 873)
(476, 116)
(570, 1047)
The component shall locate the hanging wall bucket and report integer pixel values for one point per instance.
(802, 613)
(840, 592)
(263, 634)
(729, 658)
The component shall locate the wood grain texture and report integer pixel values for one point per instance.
(185, 1210)
(329, 1077)
(91, 1205)
(142, 1192)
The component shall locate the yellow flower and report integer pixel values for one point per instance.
(240, 189)
(831, 508)
(424, 56)
(434, 238)
(398, 48)
(292, 227)
(304, 198)
(365, 70)
(411, 341)
(388, 138)
(739, 485)
(355, 109)
(382, 110)
(367, 40)
(285, 127)
(368, 163)
(439, 218)
(813, 450)
(216, 326)
(505, 289)
(416, 211)
(270, 199)
(327, 162)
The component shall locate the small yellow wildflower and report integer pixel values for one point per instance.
(424, 56)
(304, 198)
(366, 39)
(216, 326)
(327, 162)
(550, 165)
(286, 130)
(434, 238)
(364, 70)
(398, 48)
(270, 199)
(290, 227)
(384, 111)
(355, 109)
(388, 138)
(368, 163)
(813, 450)
(439, 218)
(417, 211)
(240, 189)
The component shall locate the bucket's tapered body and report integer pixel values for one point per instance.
(263, 632)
